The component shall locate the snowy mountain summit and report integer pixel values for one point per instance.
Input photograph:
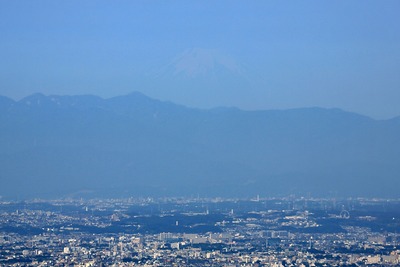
(198, 62)
(201, 77)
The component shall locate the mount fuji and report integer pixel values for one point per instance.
(198, 62)
(201, 78)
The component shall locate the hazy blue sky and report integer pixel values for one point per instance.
(342, 54)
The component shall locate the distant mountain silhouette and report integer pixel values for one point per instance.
(197, 62)
(199, 77)
(132, 145)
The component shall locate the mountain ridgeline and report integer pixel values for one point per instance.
(61, 146)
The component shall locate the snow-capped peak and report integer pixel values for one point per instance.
(199, 62)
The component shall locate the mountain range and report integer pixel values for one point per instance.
(133, 145)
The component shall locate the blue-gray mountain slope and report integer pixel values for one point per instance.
(54, 146)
